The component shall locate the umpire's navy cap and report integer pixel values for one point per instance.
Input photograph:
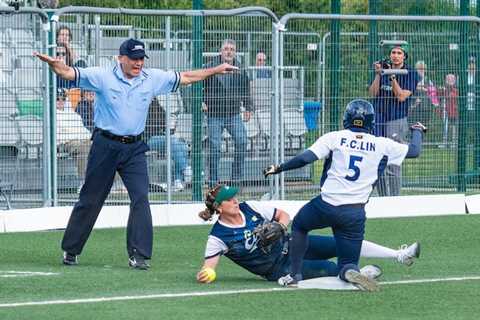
(132, 48)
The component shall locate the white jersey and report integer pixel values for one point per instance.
(353, 163)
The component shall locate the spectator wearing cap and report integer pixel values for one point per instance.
(391, 97)
(123, 95)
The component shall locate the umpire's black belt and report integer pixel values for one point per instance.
(122, 139)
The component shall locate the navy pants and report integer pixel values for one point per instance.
(315, 261)
(348, 226)
(105, 159)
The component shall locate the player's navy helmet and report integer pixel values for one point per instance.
(359, 114)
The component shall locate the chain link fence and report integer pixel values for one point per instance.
(442, 53)
(292, 87)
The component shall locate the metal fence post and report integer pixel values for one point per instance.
(335, 62)
(462, 62)
(168, 41)
(197, 156)
(50, 166)
(274, 154)
(372, 38)
(476, 85)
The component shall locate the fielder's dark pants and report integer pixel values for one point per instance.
(106, 157)
(348, 226)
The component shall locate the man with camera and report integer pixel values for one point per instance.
(391, 92)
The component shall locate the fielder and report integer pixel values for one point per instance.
(254, 236)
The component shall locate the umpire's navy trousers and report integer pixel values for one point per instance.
(106, 157)
(347, 223)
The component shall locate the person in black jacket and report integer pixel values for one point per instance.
(225, 97)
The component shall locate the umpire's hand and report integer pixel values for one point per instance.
(226, 68)
(57, 65)
(48, 59)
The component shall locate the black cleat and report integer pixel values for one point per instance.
(70, 259)
(138, 262)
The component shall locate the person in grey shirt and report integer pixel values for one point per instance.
(226, 96)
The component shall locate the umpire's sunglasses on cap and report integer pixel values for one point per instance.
(134, 49)
(225, 193)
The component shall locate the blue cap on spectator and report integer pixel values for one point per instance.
(132, 48)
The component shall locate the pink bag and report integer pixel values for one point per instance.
(432, 94)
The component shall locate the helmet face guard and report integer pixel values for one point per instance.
(359, 114)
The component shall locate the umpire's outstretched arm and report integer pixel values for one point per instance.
(58, 66)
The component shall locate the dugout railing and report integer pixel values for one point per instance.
(313, 75)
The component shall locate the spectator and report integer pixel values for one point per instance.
(449, 112)
(392, 93)
(422, 108)
(85, 109)
(72, 137)
(471, 84)
(64, 38)
(64, 50)
(155, 134)
(262, 72)
(225, 95)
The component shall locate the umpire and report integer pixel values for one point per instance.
(123, 95)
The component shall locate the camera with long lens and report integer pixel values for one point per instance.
(385, 63)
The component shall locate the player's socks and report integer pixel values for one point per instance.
(373, 250)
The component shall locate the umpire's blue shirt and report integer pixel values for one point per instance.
(121, 104)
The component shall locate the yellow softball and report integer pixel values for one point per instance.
(209, 274)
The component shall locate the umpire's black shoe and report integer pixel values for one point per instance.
(138, 262)
(70, 259)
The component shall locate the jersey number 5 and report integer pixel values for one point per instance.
(353, 166)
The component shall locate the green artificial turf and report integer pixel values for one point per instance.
(449, 249)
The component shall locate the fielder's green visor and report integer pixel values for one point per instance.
(225, 193)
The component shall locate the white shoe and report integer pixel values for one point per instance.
(118, 188)
(177, 186)
(187, 174)
(407, 254)
(361, 281)
(162, 187)
(371, 271)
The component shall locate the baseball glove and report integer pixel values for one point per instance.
(271, 169)
(268, 233)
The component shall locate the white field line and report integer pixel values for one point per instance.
(206, 293)
(16, 274)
